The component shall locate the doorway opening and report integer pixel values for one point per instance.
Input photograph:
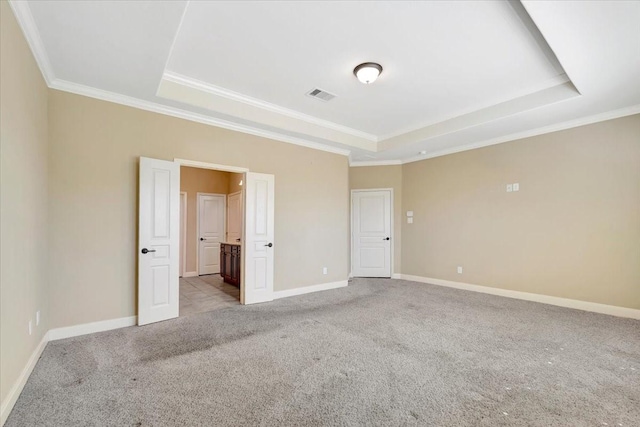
(212, 249)
(247, 265)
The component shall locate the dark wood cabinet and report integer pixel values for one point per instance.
(230, 263)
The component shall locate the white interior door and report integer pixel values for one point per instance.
(234, 217)
(371, 222)
(158, 240)
(183, 232)
(211, 221)
(257, 284)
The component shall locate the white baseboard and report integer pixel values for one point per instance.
(190, 274)
(396, 276)
(309, 289)
(545, 299)
(90, 328)
(16, 389)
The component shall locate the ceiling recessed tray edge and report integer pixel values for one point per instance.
(194, 92)
(238, 97)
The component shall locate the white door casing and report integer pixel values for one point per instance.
(234, 217)
(158, 240)
(259, 244)
(211, 231)
(371, 233)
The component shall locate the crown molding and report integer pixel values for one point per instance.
(596, 118)
(364, 163)
(601, 117)
(24, 17)
(117, 98)
(26, 22)
(258, 103)
(558, 80)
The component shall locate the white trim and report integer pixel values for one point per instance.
(224, 225)
(116, 98)
(25, 19)
(190, 274)
(183, 238)
(558, 80)
(16, 388)
(601, 117)
(545, 299)
(610, 115)
(309, 289)
(361, 163)
(396, 276)
(93, 327)
(29, 28)
(205, 165)
(391, 229)
(264, 105)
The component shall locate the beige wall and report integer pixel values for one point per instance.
(95, 147)
(572, 231)
(194, 181)
(234, 182)
(362, 178)
(23, 201)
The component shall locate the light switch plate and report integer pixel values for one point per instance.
(516, 187)
(409, 220)
(509, 188)
(409, 213)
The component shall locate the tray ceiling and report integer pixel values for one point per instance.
(457, 75)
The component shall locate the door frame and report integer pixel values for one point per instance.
(392, 228)
(224, 223)
(225, 168)
(183, 237)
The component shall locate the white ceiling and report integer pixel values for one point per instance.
(457, 75)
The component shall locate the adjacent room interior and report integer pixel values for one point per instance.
(234, 213)
(211, 218)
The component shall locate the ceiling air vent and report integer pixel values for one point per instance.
(320, 94)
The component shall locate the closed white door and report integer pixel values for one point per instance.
(371, 235)
(257, 285)
(158, 240)
(211, 210)
(234, 217)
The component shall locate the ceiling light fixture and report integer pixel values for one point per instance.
(368, 72)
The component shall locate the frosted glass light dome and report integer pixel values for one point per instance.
(368, 72)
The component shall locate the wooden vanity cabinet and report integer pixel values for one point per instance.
(230, 263)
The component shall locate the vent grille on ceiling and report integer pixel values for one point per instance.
(320, 94)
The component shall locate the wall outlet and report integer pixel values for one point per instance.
(410, 220)
(509, 188)
(516, 187)
(38, 318)
(324, 270)
(30, 327)
(459, 270)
